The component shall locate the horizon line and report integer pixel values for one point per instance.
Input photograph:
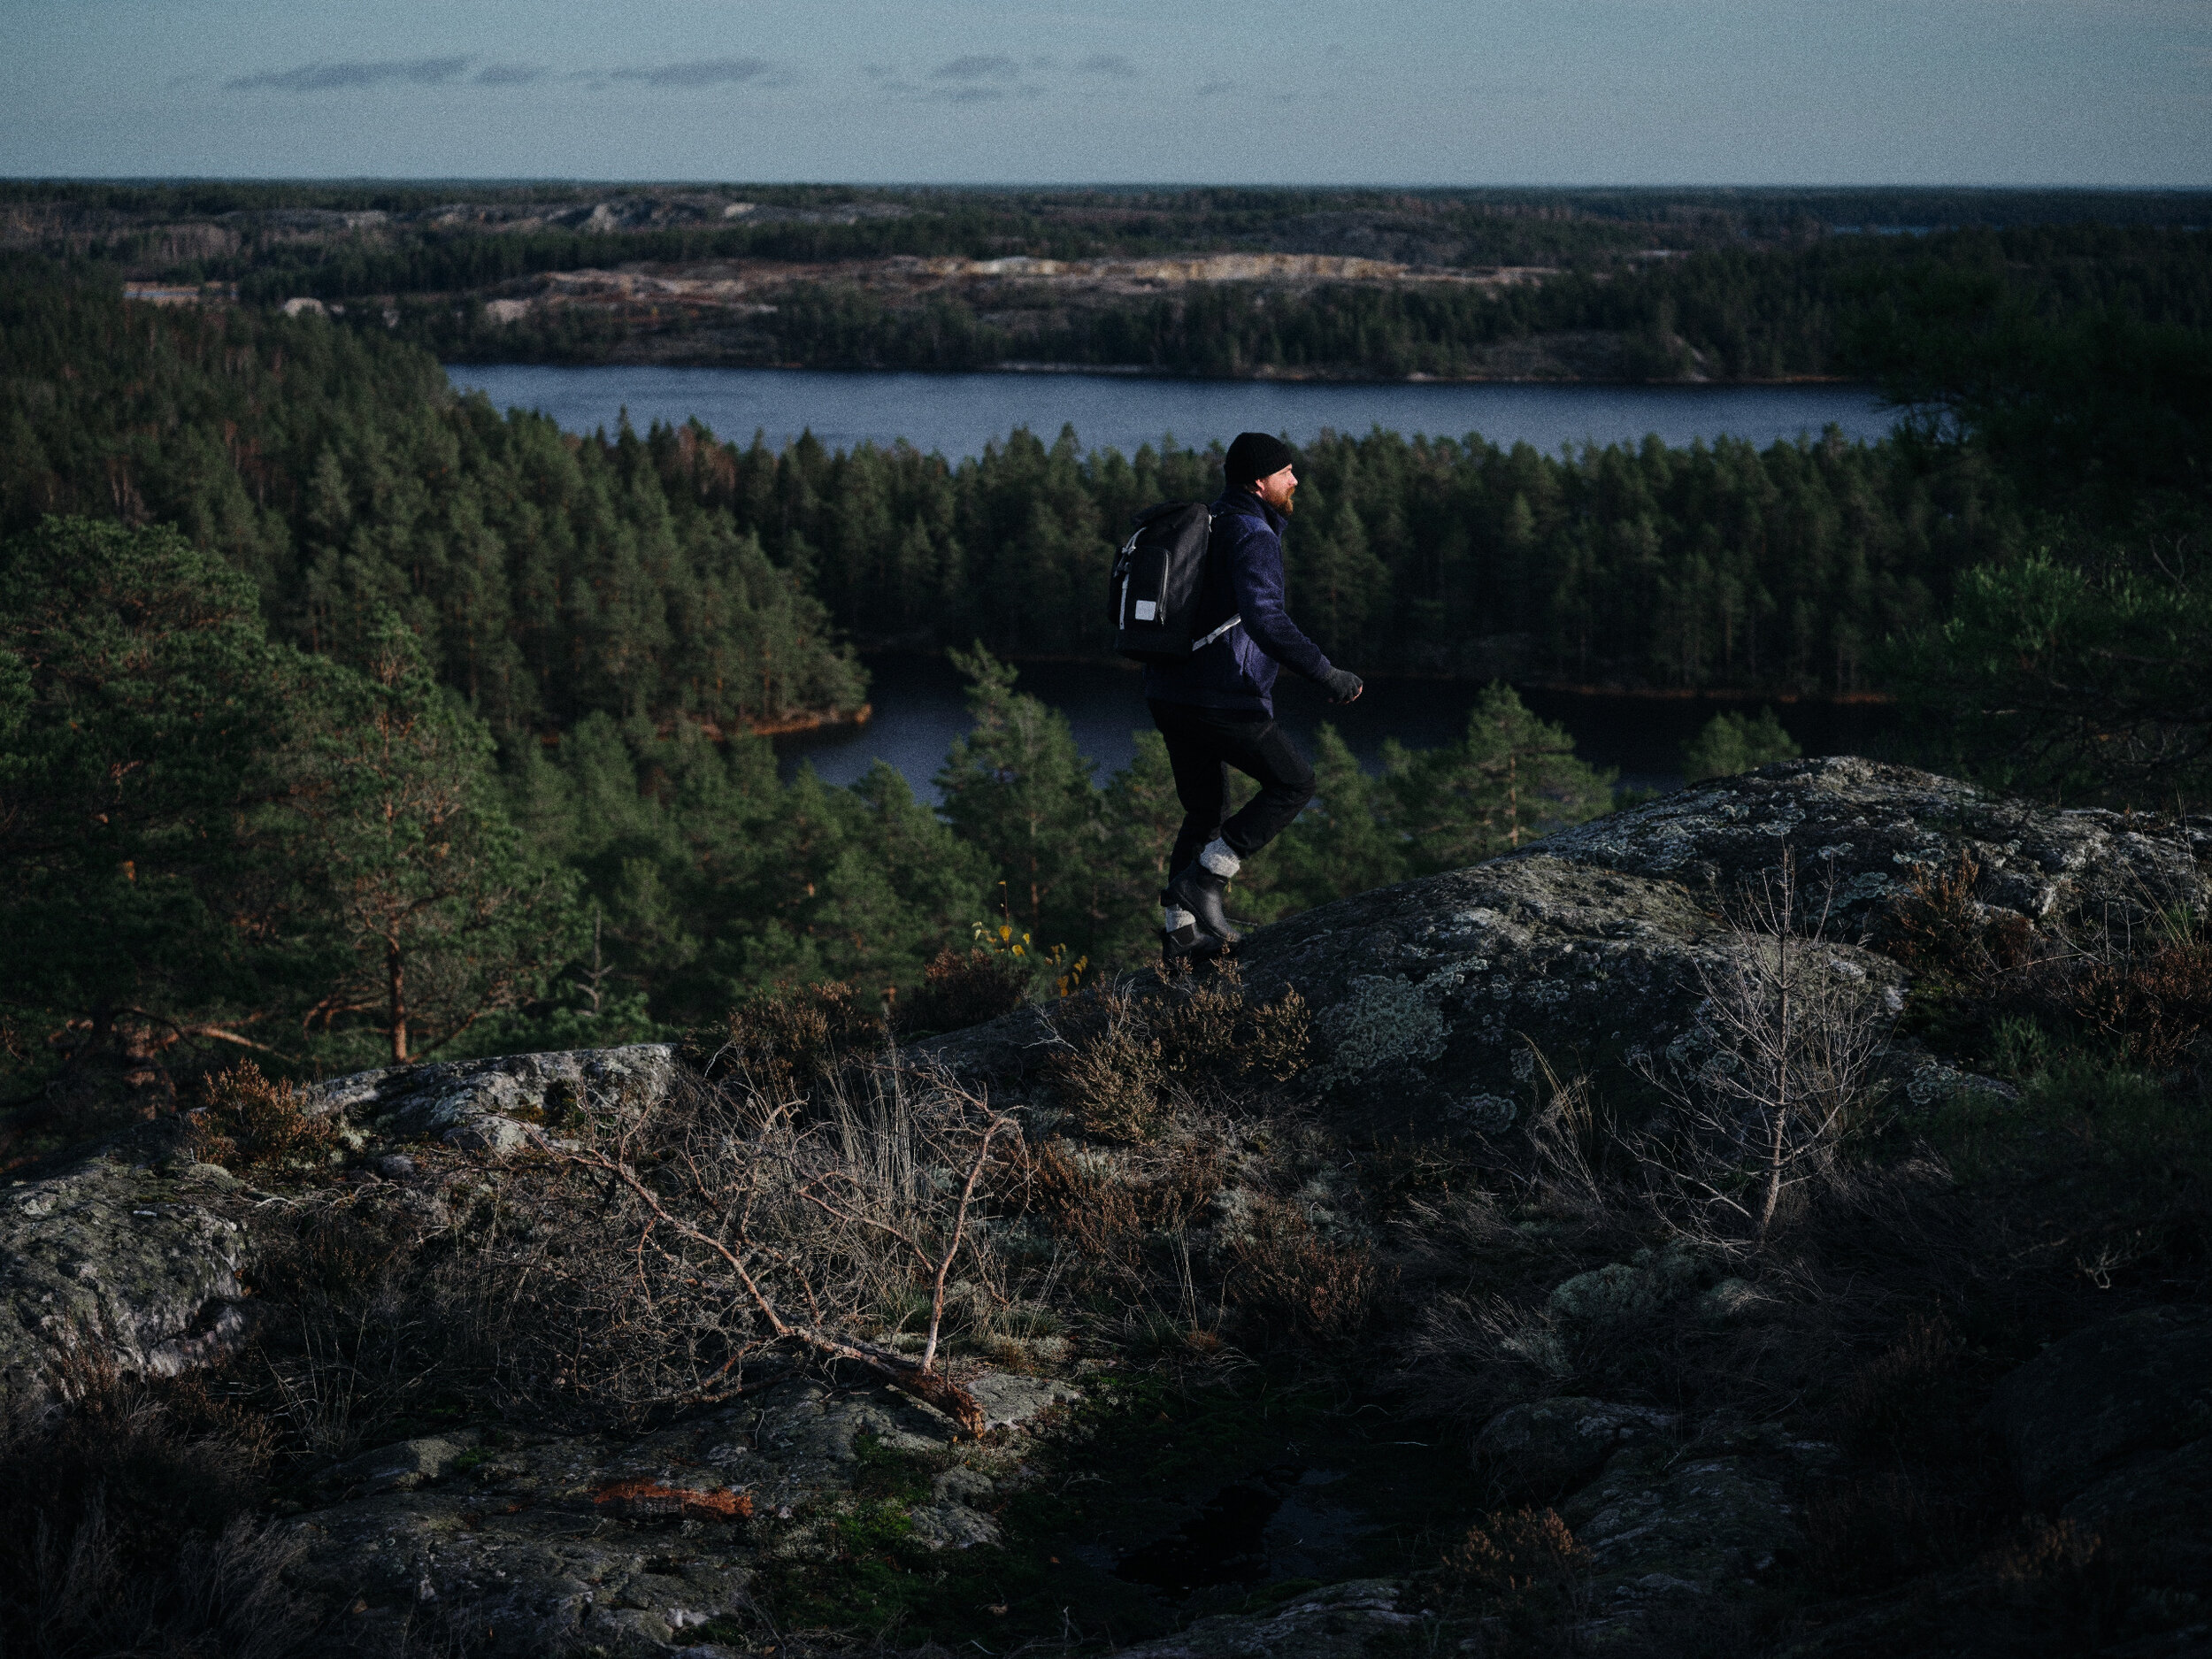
(425, 181)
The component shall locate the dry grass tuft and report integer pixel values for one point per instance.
(1129, 1064)
(1093, 1211)
(1211, 1028)
(1936, 927)
(1906, 1394)
(1883, 1526)
(2041, 1551)
(2152, 1006)
(1114, 1078)
(126, 1525)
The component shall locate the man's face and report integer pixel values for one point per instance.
(1276, 488)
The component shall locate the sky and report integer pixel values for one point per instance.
(1417, 92)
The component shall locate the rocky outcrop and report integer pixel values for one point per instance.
(1665, 1525)
(1343, 1621)
(494, 1105)
(121, 1256)
(1665, 1515)
(1868, 828)
(1543, 1447)
(1432, 1000)
(1435, 1004)
(534, 1544)
(2106, 1410)
(133, 1252)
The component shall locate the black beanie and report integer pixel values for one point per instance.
(1254, 455)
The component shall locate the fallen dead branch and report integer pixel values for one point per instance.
(838, 1215)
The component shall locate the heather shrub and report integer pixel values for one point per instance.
(792, 1036)
(1293, 1276)
(960, 989)
(249, 1122)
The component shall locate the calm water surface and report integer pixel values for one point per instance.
(957, 414)
(920, 710)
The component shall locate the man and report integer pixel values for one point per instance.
(1216, 708)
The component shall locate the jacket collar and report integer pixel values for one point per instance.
(1243, 500)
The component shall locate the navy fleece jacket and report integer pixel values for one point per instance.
(1244, 577)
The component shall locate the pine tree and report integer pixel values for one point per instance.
(1510, 779)
(1140, 816)
(139, 908)
(1017, 788)
(1730, 744)
(403, 845)
(1348, 841)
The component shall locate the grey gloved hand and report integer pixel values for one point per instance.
(1343, 684)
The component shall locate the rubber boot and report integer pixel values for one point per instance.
(1202, 890)
(1181, 945)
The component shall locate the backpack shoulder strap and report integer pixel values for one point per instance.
(1235, 616)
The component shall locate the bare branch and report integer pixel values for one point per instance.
(1778, 1059)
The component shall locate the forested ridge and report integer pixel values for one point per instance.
(1726, 313)
(1713, 566)
(1651, 285)
(337, 233)
(341, 717)
(547, 575)
(484, 779)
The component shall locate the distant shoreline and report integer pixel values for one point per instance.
(1532, 682)
(1138, 371)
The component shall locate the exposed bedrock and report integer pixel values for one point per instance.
(533, 1544)
(118, 1257)
(1435, 1004)
(1435, 1001)
(133, 1253)
(494, 1105)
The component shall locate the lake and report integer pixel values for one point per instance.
(917, 700)
(957, 414)
(920, 710)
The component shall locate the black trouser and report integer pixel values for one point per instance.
(1201, 745)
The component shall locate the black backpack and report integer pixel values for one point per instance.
(1157, 578)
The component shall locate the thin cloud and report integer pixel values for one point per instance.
(977, 67)
(509, 75)
(411, 71)
(704, 72)
(1107, 63)
(975, 78)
